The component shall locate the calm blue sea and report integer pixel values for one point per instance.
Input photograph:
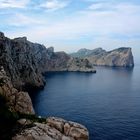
(107, 103)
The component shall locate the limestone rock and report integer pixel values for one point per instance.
(60, 61)
(80, 65)
(121, 57)
(24, 62)
(53, 129)
(16, 101)
(17, 56)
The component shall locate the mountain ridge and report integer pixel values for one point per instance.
(120, 57)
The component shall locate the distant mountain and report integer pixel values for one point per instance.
(86, 52)
(122, 57)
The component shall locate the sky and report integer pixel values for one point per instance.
(69, 25)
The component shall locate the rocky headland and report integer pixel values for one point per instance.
(121, 57)
(24, 61)
(22, 65)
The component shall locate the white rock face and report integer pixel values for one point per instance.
(121, 57)
(53, 129)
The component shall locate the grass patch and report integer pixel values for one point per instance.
(33, 118)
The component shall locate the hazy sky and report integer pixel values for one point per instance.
(72, 24)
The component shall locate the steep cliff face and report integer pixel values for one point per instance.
(60, 61)
(18, 57)
(22, 64)
(29, 126)
(122, 57)
(17, 101)
(119, 57)
(24, 61)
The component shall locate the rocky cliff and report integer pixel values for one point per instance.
(17, 101)
(24, 61)
(121, 57)
(60, 61)
(18, 122)
(19, 59)
(22, 64)
(51, 129)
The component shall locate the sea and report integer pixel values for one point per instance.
(107, 103)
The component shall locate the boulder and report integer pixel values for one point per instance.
(53, 129)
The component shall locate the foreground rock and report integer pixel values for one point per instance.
(52, 129)
(121, 57)
(17, 101)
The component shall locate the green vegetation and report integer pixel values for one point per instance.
(32, 118)
(8, 120)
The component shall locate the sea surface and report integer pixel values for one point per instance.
(107, 103)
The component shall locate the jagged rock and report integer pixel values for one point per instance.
(22, 64)
(2, 35)
(17, 56)
(82, 53)
(53, 129)
(81, 65)
(16, 101)
(60, 61)
(24, 61)
(119, 57)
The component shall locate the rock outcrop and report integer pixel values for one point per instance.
(121, 57)
(17, 101)
(19, 59)
(60, 61)
(22, 64)
(52, 129)
(24, 61)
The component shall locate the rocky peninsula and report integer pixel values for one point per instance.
(121, 57)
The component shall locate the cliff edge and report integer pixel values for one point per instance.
(22, 64)
(121, 57)
(24, 61)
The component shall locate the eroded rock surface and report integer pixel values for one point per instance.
(17, 101)
(24, 61)
(52, 129)
(121, 57)
(22, 64)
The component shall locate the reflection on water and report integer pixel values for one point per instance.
(107, 102)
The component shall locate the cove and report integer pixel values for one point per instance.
(107, 103)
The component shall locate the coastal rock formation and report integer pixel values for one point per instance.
(80, 65)
(82, 53)
(121, 57)
(17, 56)
(22, 64)
(60, 61)
(17, 101)
(24, 61)
(52, 129)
